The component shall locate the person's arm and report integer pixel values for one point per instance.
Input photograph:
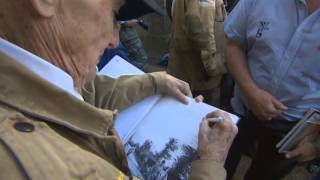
(213, 14)
(260, 102)
(108, 93)
(214, 143)
(204, 27)
(196, 30)
(238, 67)
(307, 150)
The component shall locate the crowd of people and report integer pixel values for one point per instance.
(57, 114)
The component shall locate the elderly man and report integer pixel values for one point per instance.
(53, 118)
(197, 46)
(273, 52)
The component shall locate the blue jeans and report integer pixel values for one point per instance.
(267, 163)
(131, 40)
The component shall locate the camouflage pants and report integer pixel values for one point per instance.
(131, 40)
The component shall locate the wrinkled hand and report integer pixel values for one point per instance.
(215, 140)
(199, 99)
(305, 150)
(177, 88)
(263, 105)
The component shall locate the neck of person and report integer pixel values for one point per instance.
(55, 56)
(313, 5)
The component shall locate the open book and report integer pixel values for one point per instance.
(309, 124)
(160, 133)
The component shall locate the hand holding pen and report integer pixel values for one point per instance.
(216, 135)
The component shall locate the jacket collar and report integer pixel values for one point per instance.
(26, 92)
(39, 66)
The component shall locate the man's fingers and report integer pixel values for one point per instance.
(227, 122)
(303, 153)
(294, 153)
(181, 97)
(214, 114)
(225, 115)
(269, 113)
(271, 110)
(178, 88)
(274, 109)
(277, 104)
(186, 89)
(204, 126)
(199, 98)
(307, 139)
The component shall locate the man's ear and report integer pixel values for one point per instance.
(45, 8)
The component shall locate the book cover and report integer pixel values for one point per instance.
(306, 126)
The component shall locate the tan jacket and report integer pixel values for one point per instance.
(197, 45)
(45, 133)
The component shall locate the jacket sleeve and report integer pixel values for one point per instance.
(108, 93)
(204, 25)
(196, 29)
(207, 170)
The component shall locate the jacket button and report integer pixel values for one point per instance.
(24, 127)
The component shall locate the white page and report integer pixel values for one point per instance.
(168, 119)
(157, 119)
(168, 115)
(129, 118)
(117, 67)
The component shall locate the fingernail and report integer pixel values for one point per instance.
(216, 119)
(288, 156)
(186, 102)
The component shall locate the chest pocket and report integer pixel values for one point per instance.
(44, 154)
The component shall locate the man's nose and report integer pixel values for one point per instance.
(114, 43)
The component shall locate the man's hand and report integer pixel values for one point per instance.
(263, 105)
(177, 88)
(216, 139)
(199, 99)
(306, 150)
